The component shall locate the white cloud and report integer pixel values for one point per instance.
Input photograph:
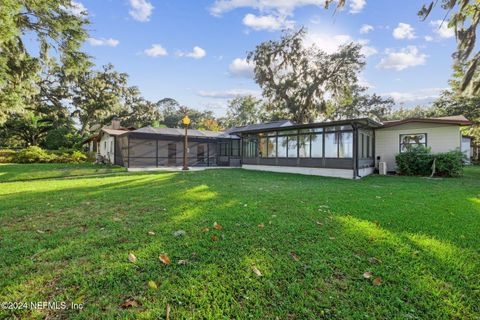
(357, 6)
(330, 44)
(156, 51)
(404, 31)
(241, 68)
(424, 95)
(227, 94)
(403, 59)
(103, 42)
(196, 53)
(441, 28)
(428, 38)
(77, 9)
(267, 22)
(280, 7)
(366, 28)
(140, 10)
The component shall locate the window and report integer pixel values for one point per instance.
(263, 148)
(304, 146)
(282, 147)
(317, 145)
(370, 150)
(272, 147)
(361, 143)
(345, 147)
(224, 148)
(249, 148)
(235, 148)
(292, 147)
(105, 145)
(331, 144)
(409, 140)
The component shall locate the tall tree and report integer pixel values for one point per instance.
(296, 80)
(243, 111)
(358, 104)
(57, 26)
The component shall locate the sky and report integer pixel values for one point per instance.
(194, 51)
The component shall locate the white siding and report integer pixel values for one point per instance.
(440, 138)
(107, 147)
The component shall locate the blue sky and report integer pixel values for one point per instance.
(194, 51)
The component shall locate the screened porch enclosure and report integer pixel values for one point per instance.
(336, 147)
(159, 151)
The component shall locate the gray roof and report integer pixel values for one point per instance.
(261, 126)
(181, 132)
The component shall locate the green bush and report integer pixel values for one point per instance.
(33, 155)
(6, 155)
(38, 155)
(418, 161)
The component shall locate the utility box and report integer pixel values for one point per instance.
(382, 168)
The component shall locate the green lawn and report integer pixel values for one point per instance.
(69, 240)
(19, 172)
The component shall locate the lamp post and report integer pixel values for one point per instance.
(186, 122)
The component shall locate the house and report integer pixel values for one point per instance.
(346, 148)
(103, 142)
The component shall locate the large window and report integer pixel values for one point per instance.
(304, 146)
(263, 149)
(282, 147)
(407, 141)
(317, 145)
(249, 148)
(235, 148)
(292, 147)
(331, 145)
(272, 147)
(345, 145)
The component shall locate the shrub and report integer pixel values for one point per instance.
(418, 161)
(33, 155)
(449, 164)
(38, 155)
(6, 155)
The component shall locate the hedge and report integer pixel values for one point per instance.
(39, 155)
(419, 160)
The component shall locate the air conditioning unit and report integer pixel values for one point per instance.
(382, 168)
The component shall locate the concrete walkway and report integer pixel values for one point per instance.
(175, 169)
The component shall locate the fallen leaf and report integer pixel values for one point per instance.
(167, 316)
(151, 233)
(294, 256)
(40, 231)
(164, 258)
(152, 284)
(256, 271)
(182, 262)
(319, 223)
(217, 226)
(367, 275)
(194, 254)
(261, 226)
(129, 303)
(132, 258)
(205, 230)
(377, 281)
(332, 238)
(214, 238)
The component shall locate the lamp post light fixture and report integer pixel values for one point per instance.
(186, 122)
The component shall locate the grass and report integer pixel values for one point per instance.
(21, 172)
(69, 240)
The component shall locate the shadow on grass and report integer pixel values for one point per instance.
(88, 227)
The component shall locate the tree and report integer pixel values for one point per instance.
(358, 104)
(296, 80)
(243, 111)
(28, 127)
(416, 112)
(173, 114)
(137, 111)
(464, 17)
(56, 27)
(97, 96)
